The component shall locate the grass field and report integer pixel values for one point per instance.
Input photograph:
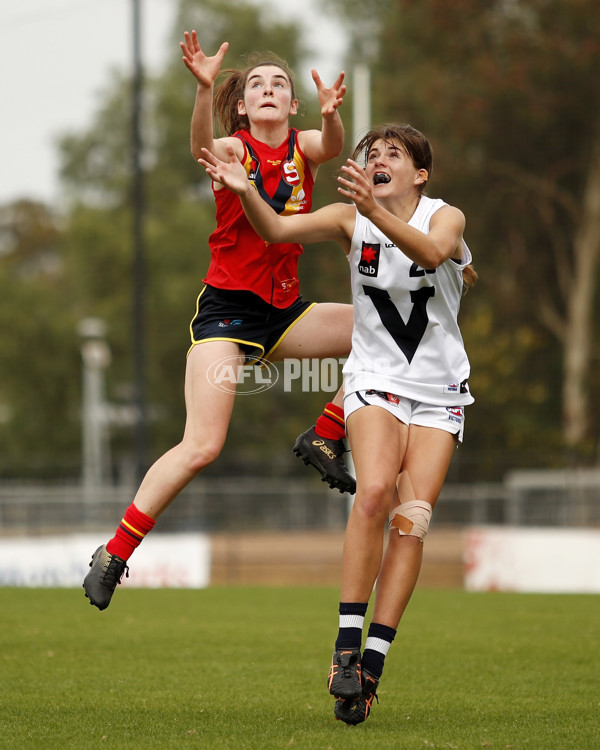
(229, 667)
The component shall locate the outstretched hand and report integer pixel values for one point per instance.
(205, 69)
(357, 187)
(231, 174)
(329, 98)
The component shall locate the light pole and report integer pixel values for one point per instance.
(361, 110)
(139, 259)
(95, 355)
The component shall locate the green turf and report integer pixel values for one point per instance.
(246, 668)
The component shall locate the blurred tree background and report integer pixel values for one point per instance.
(507, 92)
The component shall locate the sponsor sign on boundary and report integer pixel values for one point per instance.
(532, 560)
(163, 560)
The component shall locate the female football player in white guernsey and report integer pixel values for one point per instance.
(406, 380)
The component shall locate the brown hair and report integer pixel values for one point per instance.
(231, 91)
(470, 277)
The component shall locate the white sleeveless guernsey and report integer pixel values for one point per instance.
(406, 338)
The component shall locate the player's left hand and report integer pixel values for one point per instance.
(329, 98)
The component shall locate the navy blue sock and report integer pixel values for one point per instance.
(379, 640)
(352, 618)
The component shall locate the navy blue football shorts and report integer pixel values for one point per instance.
(244, 318)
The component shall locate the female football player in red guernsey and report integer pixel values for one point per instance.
(250, 307)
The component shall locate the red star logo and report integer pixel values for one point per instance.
(368, 254)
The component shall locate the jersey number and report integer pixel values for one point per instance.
(407, 335)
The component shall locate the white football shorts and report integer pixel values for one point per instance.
(448, 418)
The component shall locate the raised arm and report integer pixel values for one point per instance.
(334, 222)
(426, 250)
(327, 143)
(205, 70)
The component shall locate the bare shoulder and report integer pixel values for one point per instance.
(447, 227)
(449, 215)
(306, 137)
(310, 143)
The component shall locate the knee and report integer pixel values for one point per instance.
(199, 454)
(411, 518)
(373, 501)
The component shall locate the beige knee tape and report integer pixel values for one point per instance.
(411, 518)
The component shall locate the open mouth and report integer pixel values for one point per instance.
(381, 178)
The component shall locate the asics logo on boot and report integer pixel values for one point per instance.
(322, 447)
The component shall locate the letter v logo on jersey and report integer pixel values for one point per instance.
(368, 264)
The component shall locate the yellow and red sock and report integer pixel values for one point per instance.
(331, 423)
(130, 533)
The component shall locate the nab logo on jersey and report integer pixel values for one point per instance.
(368, 264)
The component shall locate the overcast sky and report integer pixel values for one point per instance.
(55, 61)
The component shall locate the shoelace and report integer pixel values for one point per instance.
(114, 572)
(346, 666)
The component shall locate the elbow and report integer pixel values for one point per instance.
(432, 263)
(195, 151)
(197, 144)
(277, 236)
(330, 149)
(272, 238)
(336, 149)
(435, 258)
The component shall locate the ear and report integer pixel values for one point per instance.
(241, 107)
(294, 107)
(422, 177)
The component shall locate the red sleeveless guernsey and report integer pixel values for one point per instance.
(240, 259)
